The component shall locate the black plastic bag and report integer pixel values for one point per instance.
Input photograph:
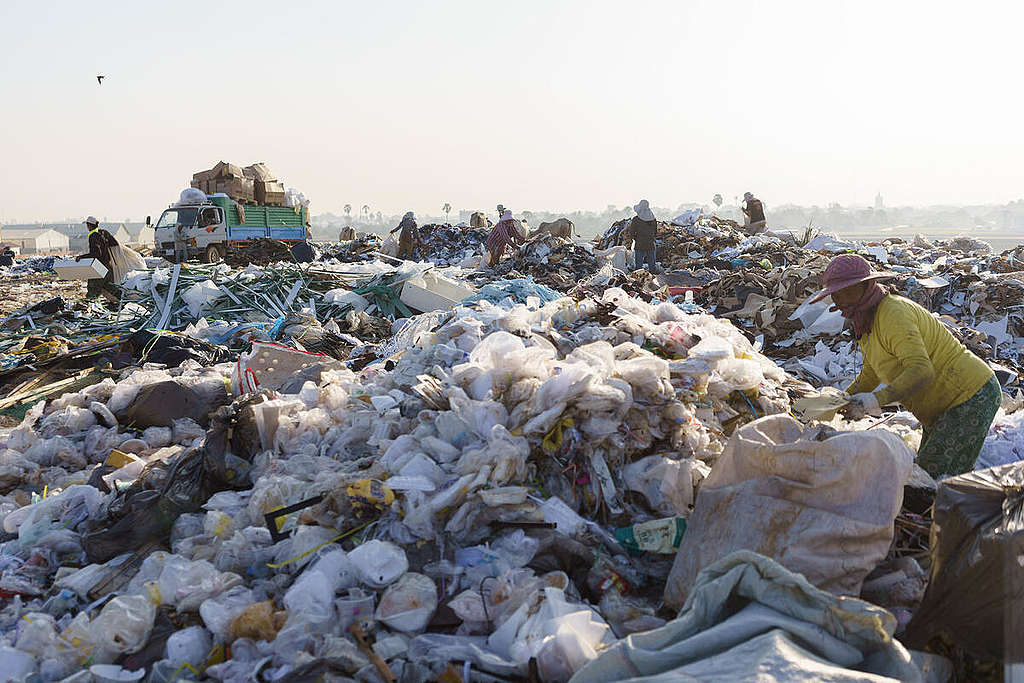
(159, 404)
(142, 514)
(172, 349)
(976, 584)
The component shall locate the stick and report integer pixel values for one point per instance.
(382, 667)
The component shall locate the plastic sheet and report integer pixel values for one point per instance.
(408, 604)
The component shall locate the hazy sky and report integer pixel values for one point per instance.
(541, 105)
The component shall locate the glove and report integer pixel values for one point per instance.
(77, 259)
(862, 405)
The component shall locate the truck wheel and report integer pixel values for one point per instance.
(213, 254)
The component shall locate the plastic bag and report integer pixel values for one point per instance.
(667, 484)
(975, 593)
(124, 624)
(312, 597)
(200, 297)
(191, 645)
(409, 603)
(218, 613)
(378, 563)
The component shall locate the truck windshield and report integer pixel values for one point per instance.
(172, 217)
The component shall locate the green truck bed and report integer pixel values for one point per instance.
(278, 222)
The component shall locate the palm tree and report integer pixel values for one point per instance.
(380, 217)
(348, 214)
(717, 200)
(446, 208)
(365, 211)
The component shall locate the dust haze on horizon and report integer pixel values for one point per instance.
(552, 106)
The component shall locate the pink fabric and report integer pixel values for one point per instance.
(862, 313)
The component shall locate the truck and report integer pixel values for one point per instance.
(215, 225)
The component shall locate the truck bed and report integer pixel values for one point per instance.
(278, 222)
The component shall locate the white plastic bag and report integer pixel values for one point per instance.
(378, 563)
(191, 645)
(409, 603)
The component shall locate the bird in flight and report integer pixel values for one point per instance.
(99, 79)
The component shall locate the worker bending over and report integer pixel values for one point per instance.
(409, 238)
(952, 392)
(753, 214)
(504, 233)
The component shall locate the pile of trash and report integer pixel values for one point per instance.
(447, 245)
(156, 517)
(29, 265)
(366, 468)
(260, 252)
(678, 245)
(557, 262)
(362, 248)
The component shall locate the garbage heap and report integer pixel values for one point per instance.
(497, 464)
(362, 248)
(678, 245)
(763, 284)
(261, 252)
(447, 245)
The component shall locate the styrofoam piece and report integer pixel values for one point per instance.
(432, 292)
(86, 269)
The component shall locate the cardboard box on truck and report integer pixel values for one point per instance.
(224, 169)
(258, 172)
(269, 193)
(239, 189)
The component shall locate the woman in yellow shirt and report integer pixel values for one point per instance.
(952, 392)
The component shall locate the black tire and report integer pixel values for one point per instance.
(213, 254)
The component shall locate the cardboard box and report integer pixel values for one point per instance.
(224, 169)
(239, 189)
(258, 172)
(86, 269)
(269, 193)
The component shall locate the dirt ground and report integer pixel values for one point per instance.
(19, 291)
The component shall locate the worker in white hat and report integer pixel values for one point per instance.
(101, 243)
(753, 214)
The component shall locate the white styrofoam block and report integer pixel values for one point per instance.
(86, 269)
(431, 292)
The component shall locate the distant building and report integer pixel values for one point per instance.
(878, 201)
(33, 239)
(119, 231)
(140, 235)
(77, 234)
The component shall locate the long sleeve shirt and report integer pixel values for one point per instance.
(99, 246)
(410, 231)
(922, 365)
(644, 233)
(501, 235)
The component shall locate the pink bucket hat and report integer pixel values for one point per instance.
(846, 270)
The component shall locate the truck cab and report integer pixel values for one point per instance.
(211, 227)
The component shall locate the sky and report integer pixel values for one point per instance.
(545, 105)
